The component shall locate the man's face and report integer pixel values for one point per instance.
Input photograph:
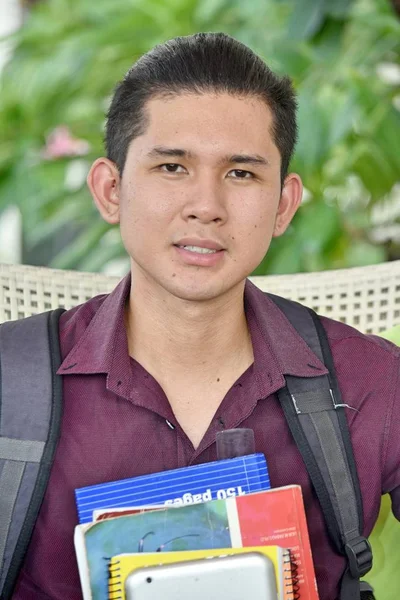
(200, 194)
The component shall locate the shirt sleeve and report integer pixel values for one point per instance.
(391, 471)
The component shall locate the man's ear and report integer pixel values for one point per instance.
(104, 184)
(289, 202)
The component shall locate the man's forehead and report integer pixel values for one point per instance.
(186, 125)
(162, 102)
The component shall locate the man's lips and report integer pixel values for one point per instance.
(200, 256)
(200, 243)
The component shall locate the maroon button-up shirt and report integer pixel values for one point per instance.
(114, 426)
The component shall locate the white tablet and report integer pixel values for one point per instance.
(235, 577)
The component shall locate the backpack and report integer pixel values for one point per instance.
(29, 359)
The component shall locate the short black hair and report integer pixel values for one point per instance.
(199, 63)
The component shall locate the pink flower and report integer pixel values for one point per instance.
(61, 143)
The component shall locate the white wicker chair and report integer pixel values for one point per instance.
(366, 297)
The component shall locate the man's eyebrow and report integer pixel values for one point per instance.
(250, 159)
(159, 151)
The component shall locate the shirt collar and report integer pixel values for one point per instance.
(103, 347)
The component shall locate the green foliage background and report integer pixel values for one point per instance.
(385, 574)
(70, 53)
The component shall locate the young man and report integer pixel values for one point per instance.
(199, 138)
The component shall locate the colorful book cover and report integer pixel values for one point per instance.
(189, 485)
(272, 517)
(123, 564)
(100, 515)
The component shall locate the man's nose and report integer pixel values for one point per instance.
(206, 202)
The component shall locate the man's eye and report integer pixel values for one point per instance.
(240, 174)
(172, 168)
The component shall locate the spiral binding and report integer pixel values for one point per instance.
(114, 580)
(294, 572)
(287, 576)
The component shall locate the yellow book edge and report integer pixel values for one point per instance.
(122, 565)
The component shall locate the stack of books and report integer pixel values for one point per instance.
(199, 512)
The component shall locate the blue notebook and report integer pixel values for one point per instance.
(188, 485)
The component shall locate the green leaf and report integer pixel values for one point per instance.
(317, 225)
(282, 257)
(74, 255)
(306, 19)
(339, 8)
(313, 144)
(362, 253)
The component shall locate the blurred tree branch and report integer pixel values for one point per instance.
(396, 6)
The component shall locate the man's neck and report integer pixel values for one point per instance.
(168, 335)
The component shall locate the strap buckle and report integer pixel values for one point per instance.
(359, 555)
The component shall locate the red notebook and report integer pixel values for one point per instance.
(277, 517)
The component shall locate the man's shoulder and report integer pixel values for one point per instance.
(343, 336)
(348, 338)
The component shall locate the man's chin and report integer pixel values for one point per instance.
(206, 292)
(200, 286)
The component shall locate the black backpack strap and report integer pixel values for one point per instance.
(30, 419)
(317, 420)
